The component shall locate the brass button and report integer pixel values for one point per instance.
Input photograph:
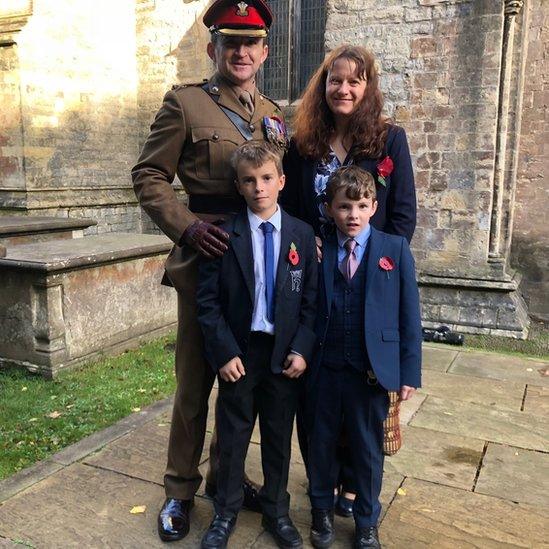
(252, 127)
(215, 137)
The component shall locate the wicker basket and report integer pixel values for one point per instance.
(392, 440)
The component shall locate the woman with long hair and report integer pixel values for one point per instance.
(339, 122)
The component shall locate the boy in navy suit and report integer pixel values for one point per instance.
(256, 308)
(369, 333)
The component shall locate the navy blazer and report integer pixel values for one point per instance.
(226, 292)
(392, 323)
(396, 209)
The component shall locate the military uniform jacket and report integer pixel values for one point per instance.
(192, 137)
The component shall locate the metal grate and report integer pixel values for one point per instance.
(296, 47)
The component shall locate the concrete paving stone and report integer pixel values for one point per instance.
(515, 474)
(27, 477)
(430, 515)
(476, 421)
(438, 457)
(489, 392)
(502, 367)
(408, 408)
(81, 506)
(141, 453)
(537, 400)
(434, 358)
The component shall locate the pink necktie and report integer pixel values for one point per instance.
(349, 265)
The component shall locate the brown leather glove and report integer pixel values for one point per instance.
(206, 239)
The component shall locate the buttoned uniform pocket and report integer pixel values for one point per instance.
(213, 149)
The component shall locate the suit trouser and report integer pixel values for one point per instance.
(344, 399)
(274, 398)
(190, 410)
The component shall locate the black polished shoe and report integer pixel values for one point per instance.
(217, 535)
(344, 506)
(283, 531)
(322, 528)
(251, 496)
(367, 537)
(173, 519)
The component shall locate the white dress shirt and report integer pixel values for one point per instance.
(260, 323)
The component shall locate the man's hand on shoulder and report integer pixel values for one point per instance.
(406, 392)
(294, 365)
(233, 370)
(206, 239)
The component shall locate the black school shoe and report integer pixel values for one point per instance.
(283, 531)
(217, 535)
(344, 506)
(367, 538)
(173, 519)
(322, 528)
(251, 495)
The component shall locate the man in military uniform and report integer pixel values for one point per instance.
(193, 135)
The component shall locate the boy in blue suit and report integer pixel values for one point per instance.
(369, 333)
(256, 308)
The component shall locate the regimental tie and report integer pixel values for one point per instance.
(245, 98)
(268, 253)
(349, 265)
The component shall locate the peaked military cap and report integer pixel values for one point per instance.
(239, 18)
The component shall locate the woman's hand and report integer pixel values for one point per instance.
(318, 248)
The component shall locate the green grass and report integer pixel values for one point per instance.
(536, 346)
(87, 399)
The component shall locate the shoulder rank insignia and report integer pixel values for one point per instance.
(275, 131)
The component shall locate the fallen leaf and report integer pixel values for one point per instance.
(425, 510)
(401, 492)
(69, 406)
(141, 390)
(24, 388)
(54, 415)
(529, 369)
(448, 413)
(162, 424)
(138, 509)
(33, 419)
(20, 443)
(53, 397)
(136, 409)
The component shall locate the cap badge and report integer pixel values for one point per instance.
(242, 10)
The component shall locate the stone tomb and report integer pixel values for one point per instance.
(66, 301)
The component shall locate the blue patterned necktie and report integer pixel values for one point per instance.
(268, 252)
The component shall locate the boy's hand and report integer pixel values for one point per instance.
(406, 392)
(294, 365)
(233, 370)
(318, 248)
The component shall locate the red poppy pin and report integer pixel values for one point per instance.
(384, 168)
(387, 264)
(293, 256)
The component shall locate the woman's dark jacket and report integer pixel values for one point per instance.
(396, 210)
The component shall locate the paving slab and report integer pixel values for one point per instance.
(409, 408)
(502, 367)
(430, 515)
(515, 474)
(537, 400)
(434, 358)
(476, 421)
(438, 457)
(489, 392)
